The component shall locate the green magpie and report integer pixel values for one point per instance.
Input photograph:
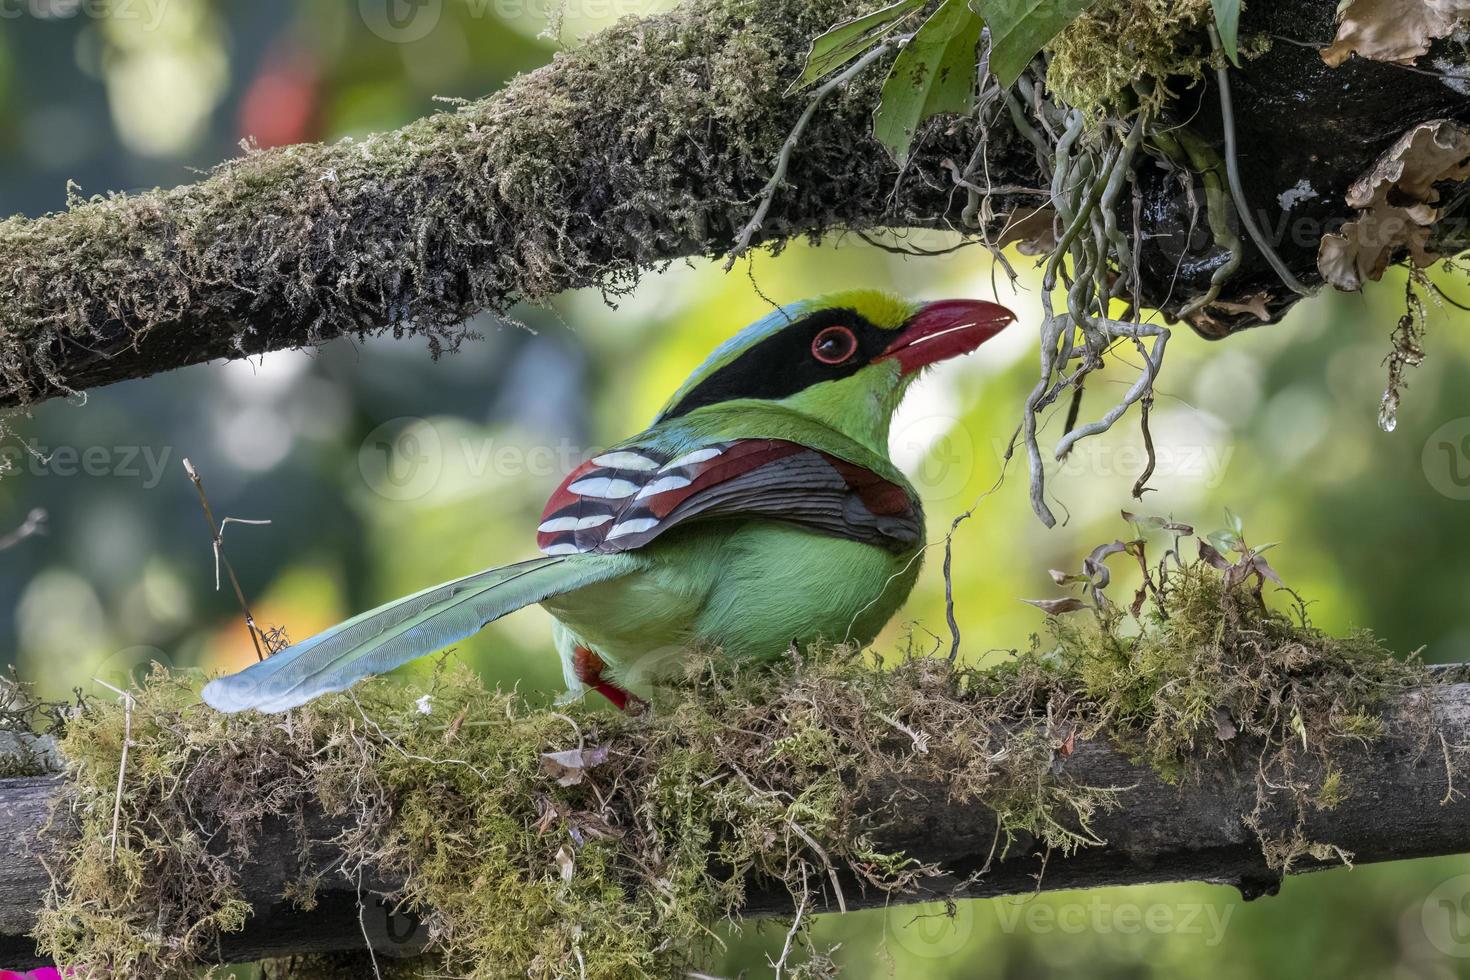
(760, 509)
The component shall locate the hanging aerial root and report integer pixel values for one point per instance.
(1089, 169)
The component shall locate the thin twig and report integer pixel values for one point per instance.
(791, 935)
(362, 924)
(35, 523)
(831, 869)
(1139, 486)
(122, 766)
(783, 160)
(216, 535)
(949, 617)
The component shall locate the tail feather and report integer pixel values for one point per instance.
(381, 639)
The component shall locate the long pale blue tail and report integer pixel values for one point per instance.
(393, 634)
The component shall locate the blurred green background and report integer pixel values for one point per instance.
(382, 470)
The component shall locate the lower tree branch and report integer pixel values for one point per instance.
(1402, 804)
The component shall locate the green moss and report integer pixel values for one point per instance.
(1097, 59)
(619, 868)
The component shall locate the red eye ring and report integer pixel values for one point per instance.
(834, 345)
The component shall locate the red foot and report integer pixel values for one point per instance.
(589, 666)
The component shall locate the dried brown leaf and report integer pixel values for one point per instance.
(570, 767)
(1393, 30)
(1397, 205)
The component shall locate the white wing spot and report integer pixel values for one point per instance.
(689, 459)
(604, 487)
(636, 526)
(624, 460)
(561, 549)
(664, 485)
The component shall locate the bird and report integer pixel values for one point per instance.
(759, 510)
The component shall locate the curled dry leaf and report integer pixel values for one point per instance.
(1065, 578)
(1393, 30)
(570, 767)
(1093, 565)
(1397, 202)
(1147, 520)
(1032, 231)
(1211, 556)
(1056, 607)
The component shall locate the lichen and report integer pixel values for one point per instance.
(615, 857)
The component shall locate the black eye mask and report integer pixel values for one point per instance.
(784, 364)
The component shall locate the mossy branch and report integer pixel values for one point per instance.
(650, 144)
(647, 145)
(1400, 806)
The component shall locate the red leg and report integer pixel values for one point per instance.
(589, 667)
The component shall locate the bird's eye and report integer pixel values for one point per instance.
(834, 345)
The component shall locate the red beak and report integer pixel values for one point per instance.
(946, 329)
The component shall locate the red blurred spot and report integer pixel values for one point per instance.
(280, 106)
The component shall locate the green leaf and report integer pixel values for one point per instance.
(934, 73)
(1227, 21)
(1021, 28)
(851, 38)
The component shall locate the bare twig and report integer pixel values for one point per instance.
(216, 534)
(34, 524)
(122, 766)
(1141, 484)
(783, 159)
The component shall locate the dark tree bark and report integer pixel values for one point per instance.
(1401, 805)
(645, 146)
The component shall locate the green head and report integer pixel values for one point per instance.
(844, 358)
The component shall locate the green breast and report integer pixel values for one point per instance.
(746, 587)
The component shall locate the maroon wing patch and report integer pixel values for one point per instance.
(624, 498)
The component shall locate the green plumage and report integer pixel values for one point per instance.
(746, 583)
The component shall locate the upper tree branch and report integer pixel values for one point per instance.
(649, 144)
